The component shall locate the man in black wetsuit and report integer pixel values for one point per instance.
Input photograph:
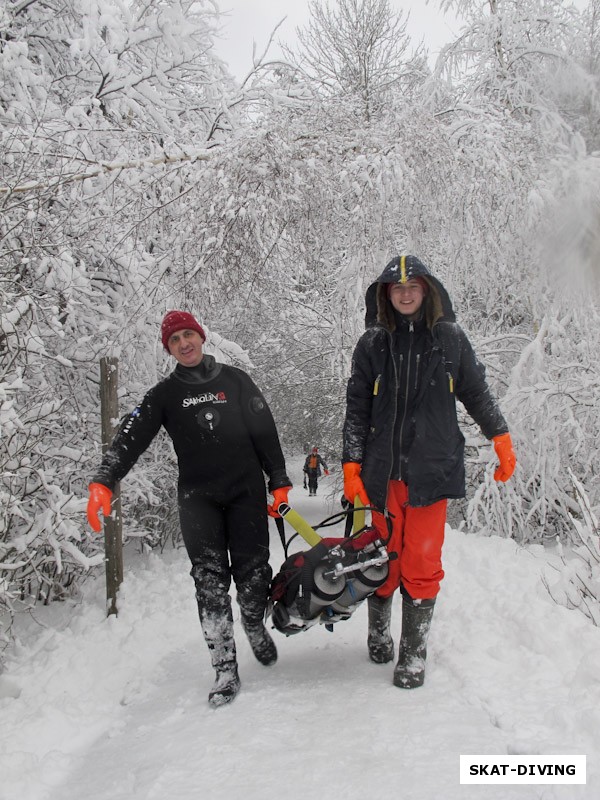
(225, 439)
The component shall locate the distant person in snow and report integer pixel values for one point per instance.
(312, 470)
(403, 451)
(225, 439)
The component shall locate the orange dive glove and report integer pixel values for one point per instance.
(353, 484)
(100, 497)
(506, 456)
(279, 496)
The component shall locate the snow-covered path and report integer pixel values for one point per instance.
(115, 709)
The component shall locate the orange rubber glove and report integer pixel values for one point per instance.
(100, 497)
(353, 484)
(506, 456)
(279, 496)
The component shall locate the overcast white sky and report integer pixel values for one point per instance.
(254, 20)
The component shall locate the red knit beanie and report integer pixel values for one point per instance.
(178, 321)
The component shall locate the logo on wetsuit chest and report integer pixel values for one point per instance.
(208, 397)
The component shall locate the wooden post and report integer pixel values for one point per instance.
(113, 533)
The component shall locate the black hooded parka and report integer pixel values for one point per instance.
(401, 420)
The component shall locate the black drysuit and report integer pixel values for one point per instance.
(225, 439)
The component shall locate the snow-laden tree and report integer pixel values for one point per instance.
(513, 80)
(573, 576)
(510, 50)
(103, 105)
(358, 50)
(582, 108)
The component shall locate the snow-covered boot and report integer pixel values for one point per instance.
(227, 684)
(409, 672)
(217, 629)
(261, 641)
(379, 639)
(252, 592)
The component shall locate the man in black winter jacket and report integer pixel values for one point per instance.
(403, 450)
(225, 439)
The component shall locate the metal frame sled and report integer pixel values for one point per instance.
(327, 583)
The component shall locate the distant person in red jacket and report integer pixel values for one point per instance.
(312, 470)
(225, 439)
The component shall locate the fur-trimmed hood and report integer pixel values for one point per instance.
(400, 269)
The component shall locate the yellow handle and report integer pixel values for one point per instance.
(299, 524)
(359, 515)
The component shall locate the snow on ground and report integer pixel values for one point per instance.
(115, 709)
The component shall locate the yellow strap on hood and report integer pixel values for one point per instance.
(403, 276)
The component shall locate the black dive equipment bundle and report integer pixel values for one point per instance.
(327, 583)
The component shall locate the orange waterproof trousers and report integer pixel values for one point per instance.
(417, 538)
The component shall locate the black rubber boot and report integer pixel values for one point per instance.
(217, 628)
(261, 642)
(216, 621)
(379, 639)
(226, 686)
(409, 672)
(252, 592)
